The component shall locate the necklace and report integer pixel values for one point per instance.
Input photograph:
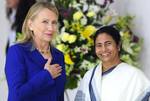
(42, 51)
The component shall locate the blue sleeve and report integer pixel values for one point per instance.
(62, 80)
(15, 70)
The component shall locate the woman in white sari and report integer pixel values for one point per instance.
(112, 79)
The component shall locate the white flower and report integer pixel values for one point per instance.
(64, 37)
(87, 65)
(83, 21)
(91, 14)
(78, 15)
(101, 2)
(72, 38)
(111, 12)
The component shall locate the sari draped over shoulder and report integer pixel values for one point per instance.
(123, 83)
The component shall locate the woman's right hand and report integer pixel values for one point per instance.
(54, 70)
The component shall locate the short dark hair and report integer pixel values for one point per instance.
(110, 30)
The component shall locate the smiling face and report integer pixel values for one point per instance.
(106, 49)
(44, 25)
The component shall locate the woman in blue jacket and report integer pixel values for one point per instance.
(35, 70)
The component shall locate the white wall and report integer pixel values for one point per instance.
(3, 38)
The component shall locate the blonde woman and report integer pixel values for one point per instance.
(35, 69)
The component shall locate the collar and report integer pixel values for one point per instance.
(30, 46)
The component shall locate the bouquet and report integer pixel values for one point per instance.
(79, 19)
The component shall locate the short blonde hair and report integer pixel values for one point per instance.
(32, 13)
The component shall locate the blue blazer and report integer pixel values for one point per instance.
(26, 77)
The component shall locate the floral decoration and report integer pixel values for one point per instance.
(79, 19)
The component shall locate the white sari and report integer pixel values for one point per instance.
(123, 83)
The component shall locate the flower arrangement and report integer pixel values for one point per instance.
(79, 19)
